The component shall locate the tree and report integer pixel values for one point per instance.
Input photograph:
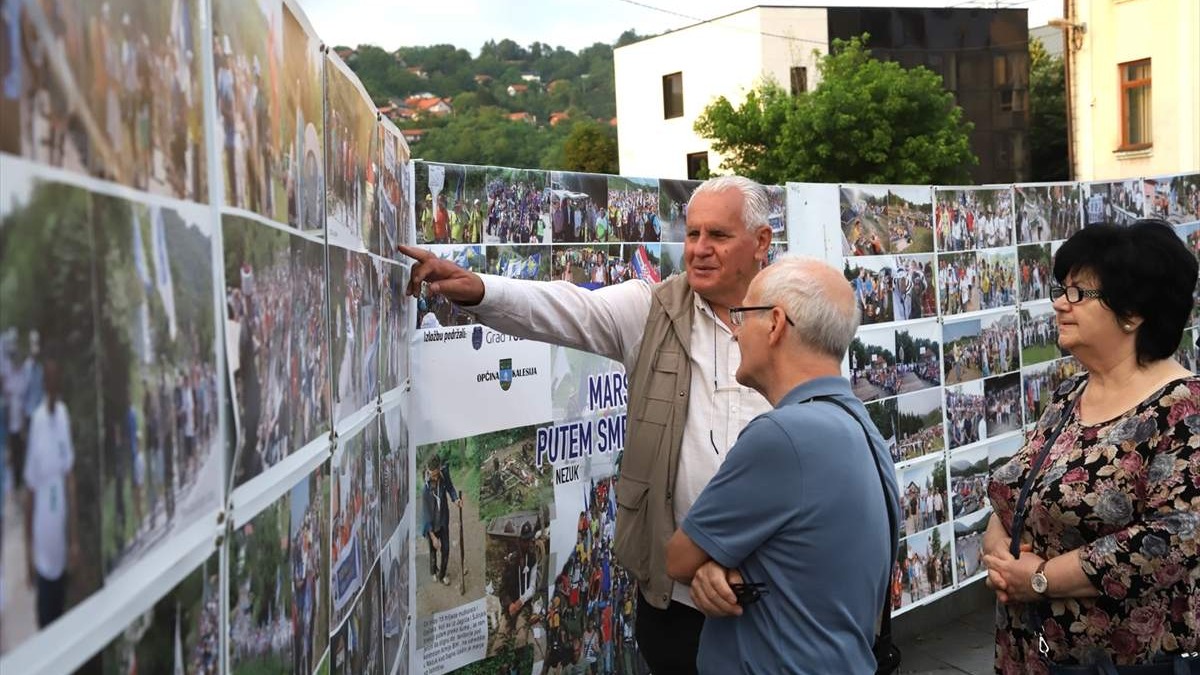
(590, 147)
(1047, 115)
(483, 136)
(867, 121)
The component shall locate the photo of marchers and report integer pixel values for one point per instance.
(1186, 355)
(394, 470)
(1035, 264)
(451, 203)
(518, 208)
(965, 414)
(395, 210)
(352, 137)
(968, 544)
(958, 283)
(519, 262)
(914, 295)
(1175, 199)
(579, 208)
(1046, 212)
(302, 123)
(1115, 202)
(777, 211)
(396, 610)
(919, 425)
(633, 209)
(924, 565)
(355, 521)
(354, 288)
(872, 367)
(885, 219)
(1039, 334)
(998, 277)
(969, 219)
(261, 634)
(968, 480)
(112, 90)
(917, 357)
(923, 500)
(275, 342)
(871, 279)
(980, 347)
(673, 197)
(1039, 383)
(435, 311)
(394, 364)
(592, 266)
(355, 648)
(308, 541)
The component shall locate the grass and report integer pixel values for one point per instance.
(1048, 352)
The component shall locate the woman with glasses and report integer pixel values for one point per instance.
(1105, 496)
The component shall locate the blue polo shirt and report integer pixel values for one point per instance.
(797, 505)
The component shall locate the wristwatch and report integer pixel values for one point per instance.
(1038, 581)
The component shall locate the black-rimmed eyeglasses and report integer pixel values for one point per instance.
(736, 318)
(1074, 294)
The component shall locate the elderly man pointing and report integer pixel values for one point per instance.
(685, 408)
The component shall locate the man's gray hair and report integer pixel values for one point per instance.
(756, 209)
(824, 322)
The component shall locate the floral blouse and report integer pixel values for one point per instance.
(1126, 492)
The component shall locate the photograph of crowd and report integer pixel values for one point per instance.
(923, 566)
(919, 425)
(776, 211)
(923, 500)
(111, 90)
(519, 262)
(50, 443)
(1039, 334)
(181, 633)
(965, 413)
(880, 219)
(968, 480)
(980, 347)
(514, 500)
(355, 521)
(958, 282)
(633, 209)
(394, 363)
(1039, 383)
(308, 541)
(998, 278)
(518, 208)
(162, 467)
(1046, 212)
(917, 353)
(1190, 234)
(673, 197)
(872, 364)
(594, 266)
(261, 602)
(434, 310)
(395, 479)
(1036, 268)
(395, 207)
(913, 293)
(396, 610)
(1186, 354)
(302, 123)
(450, 556)
(871, 279)
(275, 341)
(352, 161)
(968, 544)
(451, 203)
(355, 648)
(1115, 202)
(579, 208)
(1175, 199)
(354, 296)
(973, 218)
(1003, 396)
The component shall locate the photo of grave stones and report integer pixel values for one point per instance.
(958, 283)
(450, 553)
(396, 610)
(872, 364)
(519, 262)
(302, 123)
(579, 208)
(451, 203)
(968, 480)
(1038, 384)
(914, 295)
(980, 347)
(395, 210)
(883, 415)
(1046, 212)
(593, 266)
(920, 429)
(970, 218)
(1114, 202)
(247, 51)
(924, 564)
(1039, 334)
(158, 379)
(965, 413)
(354, 296)
(633, 209)
(514, 499)
(139, 121)
(968, 543)
(917, 357)
(998, 277)
(673, 197)
(777, 211)
(1036, 265)
(351, 165)
(518, 208)
(355, 648)
(434, 310)
(672, 261)
(261, 605)
(879, 219)
(48, 360)
(355, 520)
(871, 279)
(181, 633)
(1186, 354)
(923, 500)
(275, 341)
(308, 540)
(395, 472)
(394, 364)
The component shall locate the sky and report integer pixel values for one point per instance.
(573, 24)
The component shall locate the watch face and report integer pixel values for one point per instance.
(1038, 582)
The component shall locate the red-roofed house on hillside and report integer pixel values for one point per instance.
(413, 135)
(522, 117)
(433, 107)
(557, 117)
(418, 71)
(482, 79)
(515, 89)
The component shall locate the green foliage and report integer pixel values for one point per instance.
(867, 121)
(590, 147)
(1047, 115)
(485, 136)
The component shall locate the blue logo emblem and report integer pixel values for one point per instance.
(506, 374)
(477, 337)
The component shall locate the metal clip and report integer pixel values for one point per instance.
(1043, 646)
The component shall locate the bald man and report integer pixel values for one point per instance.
(800, 507)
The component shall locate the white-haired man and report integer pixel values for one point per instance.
(765, 546)
(685, 408)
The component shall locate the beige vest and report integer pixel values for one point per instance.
(658, 403)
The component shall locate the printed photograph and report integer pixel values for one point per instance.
(1186, 354)
(968, 544)
(958, 282)
(980, 347)
(872, 364)
(356, 649)
(395, 208)
(1039, 383)
(924, 565)
(673, 197)
(777, 211)
(395, 470)
(920, 429)
(396, 610)
(450, 560)
(518, 211)
(579, 208)
(672, 261)
(519, 262)
(1003, 450)
(914, 295)
(351, 166)
(883, 416)
(1115, 202)
(871, 279)
(878, 219)
(923, 500)
(434, 310)
(302, 124)
(451, 203)
(355, 521)
(998, 277)
(633, 209)
(394, 363)
(308, 541)
(1046, 212)
(917, 353)
(968, 219)
(591, 267)
(968, 480)
(354, 295)
(1039, 334)
(1175, 199)
(1003, 396)
(1190, 234)
(965, 413)
(1035, 263)
(261, 635)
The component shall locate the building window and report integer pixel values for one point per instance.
(697, 165)
(799, 80)
(1135, 105)
(672, 95)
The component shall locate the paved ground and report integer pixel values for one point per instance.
(942, 639)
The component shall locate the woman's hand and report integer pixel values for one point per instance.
(996, 547)
(1013, 576)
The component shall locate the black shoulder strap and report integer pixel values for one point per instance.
(885, 619)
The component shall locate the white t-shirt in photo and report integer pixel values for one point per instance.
(50, 458)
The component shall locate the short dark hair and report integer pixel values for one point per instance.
(1144, 270)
